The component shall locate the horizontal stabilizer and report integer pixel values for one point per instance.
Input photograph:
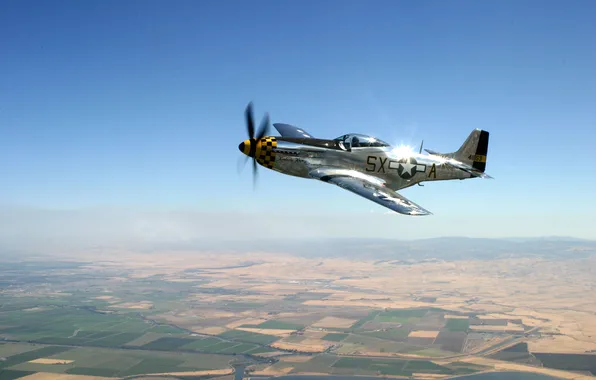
(433, 152)
(287, 130)
(468, 169)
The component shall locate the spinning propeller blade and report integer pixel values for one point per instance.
(252, 139)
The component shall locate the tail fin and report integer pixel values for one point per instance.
(474, 150)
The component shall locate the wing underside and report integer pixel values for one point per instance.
(370, 188)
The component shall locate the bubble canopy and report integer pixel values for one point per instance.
(357, 140)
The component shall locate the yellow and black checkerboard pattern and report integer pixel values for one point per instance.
(264, 153)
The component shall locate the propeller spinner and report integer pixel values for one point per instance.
(249, 147)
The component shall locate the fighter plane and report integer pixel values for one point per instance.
(364, 165)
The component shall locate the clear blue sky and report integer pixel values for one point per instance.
(139, 105)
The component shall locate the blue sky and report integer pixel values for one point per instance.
(138, 106)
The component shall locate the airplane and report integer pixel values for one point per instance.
(364, 165)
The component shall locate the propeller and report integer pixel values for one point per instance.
(252, 139)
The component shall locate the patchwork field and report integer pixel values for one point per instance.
(175, 315)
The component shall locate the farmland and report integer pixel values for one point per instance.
(128, 316)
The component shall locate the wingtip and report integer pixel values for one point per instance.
(420, 213)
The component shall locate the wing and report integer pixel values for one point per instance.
(287, 130)
(370, 188)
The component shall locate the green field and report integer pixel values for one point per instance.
(168, 343)
(431, 352)
(92, 371)
(109, 362)
(392, 319)
(426, 366)
(76, 326)
(335, 337)
(10, 374)
(250, 337)
(400, 315)
(32, 355)
(394, 367)
(372, 315)
(220, 347)
(399, 335)
(457, 324)
(153, 365)
(384, 367)
(9, 349)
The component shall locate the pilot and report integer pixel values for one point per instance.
(355, 142)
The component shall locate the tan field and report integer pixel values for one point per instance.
(423, 334)
(311, 373)
(270, 371)
(274, 332)
(246, 321)
(51, 361)
(418, 375)
(211, 372)
(134, 305)
(560, 344)
(510, 327)
(367, 303)
(308, 345)
(61, 376)
(334, 322)
(213, 330)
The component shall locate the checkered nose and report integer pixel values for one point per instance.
(245, 147)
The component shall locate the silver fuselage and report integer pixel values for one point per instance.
(399, 168)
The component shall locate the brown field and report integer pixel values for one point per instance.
(295, 359)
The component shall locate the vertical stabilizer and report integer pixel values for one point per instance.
(474, 150)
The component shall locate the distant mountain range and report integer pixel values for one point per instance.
(441, 248)
(444, 248)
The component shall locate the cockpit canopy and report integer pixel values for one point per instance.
(356, 140)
